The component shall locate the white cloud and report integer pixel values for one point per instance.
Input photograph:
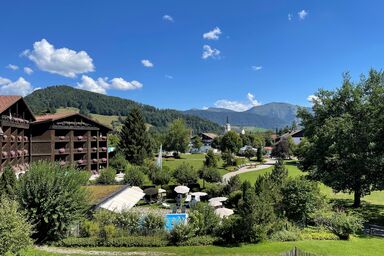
(120, 84)
(20, 87)
(302, 14)
(290, 16)
(213, 34)
(13, 67)
(169, 18)
(62, 61)
(312, 99)
(237, 105)
(28, 70)
(147, 63)
(257, 68)
(168, 76)
(101, 85)
(205, 108)
(208, 52)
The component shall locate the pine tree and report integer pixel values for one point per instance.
(134, 139)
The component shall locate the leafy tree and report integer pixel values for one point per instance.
(231, 142)
(197, 142)
(300, 199)
(185, 174)
(134, 176)
(15, 231)
(177, 137)
(134, 140)
(249, 153)
(210, 159)
(284, 148)
(113, 140)
(8, 183)
(161, 176)
(210, 175)
(107, 176)
(345, 145)
(233, 184)
(54, 198)
(228, 158)
(216, 143)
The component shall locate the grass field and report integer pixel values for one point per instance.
(354, 247)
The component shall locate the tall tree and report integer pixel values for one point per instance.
(8, 183)
(197, 142)
(231, 142)
(344, 132)
(177, 137)
(134, 140)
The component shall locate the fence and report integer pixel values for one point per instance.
(297, 252)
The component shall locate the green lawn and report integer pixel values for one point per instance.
(196, 160)
(354, 247)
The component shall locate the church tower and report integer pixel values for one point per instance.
(227, 126)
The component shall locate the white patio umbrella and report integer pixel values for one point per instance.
(162, 191)
(215, 203)
(219, 199)
(223, 212)
(199, 194)
(182, 189)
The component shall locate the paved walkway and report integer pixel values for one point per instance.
(245, 169)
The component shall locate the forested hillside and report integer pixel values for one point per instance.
(54, 97)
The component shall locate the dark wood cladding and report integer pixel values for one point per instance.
(70, 139)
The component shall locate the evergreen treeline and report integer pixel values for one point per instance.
(51, 98)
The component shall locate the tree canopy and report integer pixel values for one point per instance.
(344, 144)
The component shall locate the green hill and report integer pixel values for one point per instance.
(55, 97)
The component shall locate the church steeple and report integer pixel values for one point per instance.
(227, 126)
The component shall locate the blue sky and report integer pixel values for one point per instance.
(256, 51)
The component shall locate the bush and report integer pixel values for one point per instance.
(128, 222)
(239, 161)
(118, 162)
(288, 233)
(214, 189)
(210, 174)
(161, 176)
(54, 198)
(134, 176)
(300, 199)
(107, 176)
(233, 184)
(339, 223)
(15, 231)
(128, 241)
(185, 174)
(8, 183)
(181, 232)
(152, 224)
(199, 241)
(203, 219)
(230, 230)
(89, 229)
(318, 234)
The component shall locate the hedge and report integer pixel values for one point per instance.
(129, 241)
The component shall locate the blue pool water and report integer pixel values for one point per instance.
(174, 218)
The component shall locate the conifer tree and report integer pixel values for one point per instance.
(134, 139)
(8, 183)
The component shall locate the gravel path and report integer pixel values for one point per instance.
(70, 251)
(245, 169)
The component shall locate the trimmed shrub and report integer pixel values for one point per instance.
(107, 176)
(129, 241)
(199, 241)
(318, 234)
(14, 228)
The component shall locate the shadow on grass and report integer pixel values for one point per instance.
(372, 213)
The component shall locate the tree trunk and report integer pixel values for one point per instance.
(357, 198)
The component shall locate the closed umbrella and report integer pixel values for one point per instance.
(223, 212)
(181, 189)
(219, 199)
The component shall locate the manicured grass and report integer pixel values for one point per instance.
(354, 247)
(98, 192)
(196, 160)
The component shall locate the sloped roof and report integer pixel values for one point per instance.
(7, 101)
(58, 116)
(210, 135)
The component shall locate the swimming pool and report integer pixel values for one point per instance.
(174, 218)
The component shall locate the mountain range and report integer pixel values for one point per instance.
(269, 116)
